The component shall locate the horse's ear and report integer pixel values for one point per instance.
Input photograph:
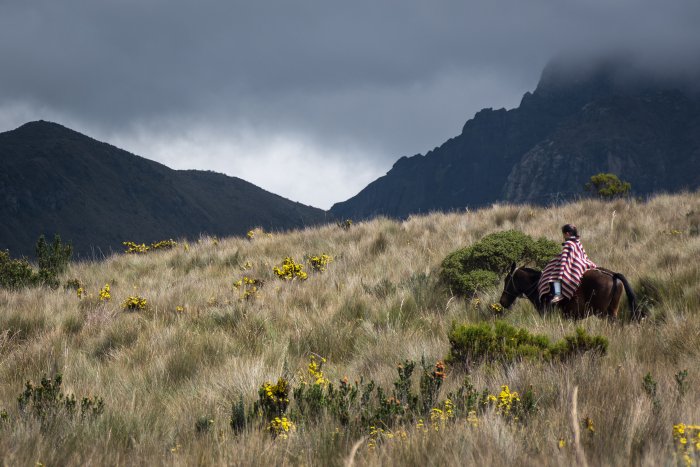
(512, 267)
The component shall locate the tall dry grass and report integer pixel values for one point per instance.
(378, 304)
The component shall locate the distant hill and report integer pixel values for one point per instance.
(578, 122)
(56, 180)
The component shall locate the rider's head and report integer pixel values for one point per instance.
(569, 230)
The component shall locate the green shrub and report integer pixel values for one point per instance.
(203, 424)
(607, 186)
(468, 270)
(472, 344)
(238, 416)
(47, 401)
(15, 273)
(580, 343)
(345, 225)
(53, 258)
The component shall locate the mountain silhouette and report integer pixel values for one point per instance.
(581, 120)
(54, 180)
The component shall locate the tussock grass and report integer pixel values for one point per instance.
(198, 347)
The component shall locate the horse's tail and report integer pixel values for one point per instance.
(631, 298)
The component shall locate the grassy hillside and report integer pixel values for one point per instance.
(198, 346)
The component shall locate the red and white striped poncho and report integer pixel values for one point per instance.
(568, 268)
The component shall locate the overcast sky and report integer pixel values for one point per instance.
(311, 100)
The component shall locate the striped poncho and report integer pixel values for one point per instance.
(568, 268)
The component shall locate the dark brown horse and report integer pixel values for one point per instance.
(598, 294)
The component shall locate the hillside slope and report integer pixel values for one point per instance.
(55, 180)
(171, 373)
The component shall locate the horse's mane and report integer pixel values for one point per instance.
(531, 270)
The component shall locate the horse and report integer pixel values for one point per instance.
(599, 293)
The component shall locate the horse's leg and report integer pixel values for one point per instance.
(615, 296)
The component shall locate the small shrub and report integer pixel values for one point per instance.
(273, 399)
(164, 245)
(238, 420)
(52, 260)
(248, 287)
(346, 224)
(682, 383)
(136, 248)
(320, 262)
(580, 343)
(290, 270)
(650, 386)
(134, 303)
(430, 383)
(472, 344)
(280, 427)
(607, 186)
(73, 284)
(46, 401)
(203, 425)
(15, 273)
(105, 293)
(478, 266)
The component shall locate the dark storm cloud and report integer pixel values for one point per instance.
(368, 81)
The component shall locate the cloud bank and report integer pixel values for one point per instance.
(310, 100)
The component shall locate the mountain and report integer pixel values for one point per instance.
(579, 121)
(56, 180)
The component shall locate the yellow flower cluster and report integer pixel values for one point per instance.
(164, 245)
(496, 308)
(135, 248)
(687, 440)
(134, 302)
(257, 232)
(320, 263)
(280, 427)
(316, 371)
(379, 435)
(276, 393)
(290, 270)
(346, 224)
(506, 399)
(472, 419)
(248, 287)
(105, 295)
(439, 416)
(80, 292)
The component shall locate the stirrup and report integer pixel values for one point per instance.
(556, 299)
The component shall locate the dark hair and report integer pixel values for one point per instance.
(570, 229)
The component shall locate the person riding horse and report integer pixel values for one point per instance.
(562, 276)
(580, 288)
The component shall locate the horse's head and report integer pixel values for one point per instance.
(511, 291)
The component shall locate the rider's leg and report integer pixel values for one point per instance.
(557, 292)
